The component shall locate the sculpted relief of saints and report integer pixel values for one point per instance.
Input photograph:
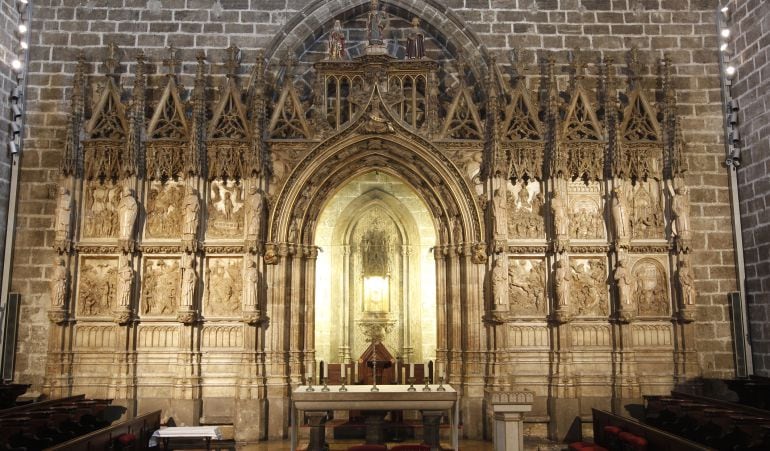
(224, 285)
(97, 288)
(225, 210)
(526, 287)
(160, 290)
(164, 212)
(525, 212)
(100, 215)
(589, 287)
(650, 289)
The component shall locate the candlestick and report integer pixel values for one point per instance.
(325, 387)
(342, 387)
(441, 384)
(411, 385)
(309, 382)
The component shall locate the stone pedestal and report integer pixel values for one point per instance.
(508, 412)
(317, 422)
(374, 421)
(431, 420)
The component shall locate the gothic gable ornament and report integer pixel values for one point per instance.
(108, 152)
(523, 131)
(288, 120)
(462, 117)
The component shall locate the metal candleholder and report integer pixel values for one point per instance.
(309, 382)
(374, 371)
(325, 387)
(441, 384)
(427, 384)
(342, 387)
(411, 384)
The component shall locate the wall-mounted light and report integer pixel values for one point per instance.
(725, 32)
(730, 71)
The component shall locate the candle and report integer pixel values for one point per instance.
(326, 370)
(411, 370)
(355, 372)
(348, 372)
(425, 372)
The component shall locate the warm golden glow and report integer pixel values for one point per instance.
(376, 294)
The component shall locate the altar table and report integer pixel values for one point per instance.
(205, 433)
(432, 404)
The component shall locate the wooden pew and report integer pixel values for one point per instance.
(9, 393)
(656, 439)
(19, 410)
(140, 427)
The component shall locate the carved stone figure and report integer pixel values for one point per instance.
(620, 220)
(254, 213)
(560, 216)
(250, 300)
(686, 283)
(625, 284)
(189, 280)
(226, 210)
(650, 290)
(561, 284)
(680, 207)
(127, 211)
(526, 287)
(415, 41)
(224, 285)
(375, 247)
(588, 288)
(191, 209)
(59, 284)
(500, 282)
(96, 288)
(101, 210)
(125, 281)
(500, 215)
(164, 215)
(647, 215)
(63, 218)
(375, 24)
(336, 42)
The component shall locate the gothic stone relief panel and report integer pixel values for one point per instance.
(91, 336)
(588, 287)
(97, 286)
(525, 211)
(646, 202)
(164, 209)
(100, 215)
(526, 287)
(223, 287)
(158, 337)
(586, 211)
(650, 290)
(161, 287)
(225, 209)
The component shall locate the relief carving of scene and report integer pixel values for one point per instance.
(650, 289)
(100, 215)
(225, 209)
(224, 286)
(97, 286)
(525, 211)
(586, 219)
(588, 288)
(526, 287)
(160, 291)
(646, 210)
(164, 212)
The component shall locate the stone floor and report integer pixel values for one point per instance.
(465, 445)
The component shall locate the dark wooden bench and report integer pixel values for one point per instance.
(657, 439)
(17, 410)
(117, 436)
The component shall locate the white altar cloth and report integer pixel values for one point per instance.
(389, 397)
(204, 432)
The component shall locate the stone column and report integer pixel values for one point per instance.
(508, 410)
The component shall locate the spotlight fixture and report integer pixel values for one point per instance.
(730, 71)
(723, 47)
(725, 32)
(16, 64)
(22, 28)
(13, 149)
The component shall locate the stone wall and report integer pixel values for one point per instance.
(684, 29)
(750, 24)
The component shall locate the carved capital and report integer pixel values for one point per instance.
(122, 317)
(251, 317)
(479, 255)
(186, 316)
(271, 254)
(57, 316)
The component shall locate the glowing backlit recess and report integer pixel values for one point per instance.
(408, 294)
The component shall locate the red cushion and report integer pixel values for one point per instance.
(612, 430)
(585, 446)
(626, 436)
(126, 439)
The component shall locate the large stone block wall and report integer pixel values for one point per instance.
(684, 29)
(750, 24)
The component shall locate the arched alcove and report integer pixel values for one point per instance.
(368, 206)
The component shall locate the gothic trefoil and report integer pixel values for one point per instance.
(462, 117)
(288, 120)
(522, 129)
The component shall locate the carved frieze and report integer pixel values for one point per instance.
(652, 335)
(650, 291)
(158, 337)
(646, 203)
(588, 287)
(225, 209)
(222, 336)
(526, 287)
(161, 286)
(526, 211)
(223, 287)
(88, 336)
(100, 215)
(97, 286)
(164, 210)
(590, 335)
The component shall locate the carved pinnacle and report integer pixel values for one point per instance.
(112, 62)
(577, 63)
(233, 59)
(172, 62)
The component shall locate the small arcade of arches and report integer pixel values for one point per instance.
(375, 234)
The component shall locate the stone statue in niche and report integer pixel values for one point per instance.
(647, 215)
(376, 23)
(160, 287)
(375, 246)
(686, 283)
(620, 219)
(625, 284)
(191, 208)
(100, 215)
(500, 282)
(560, 216)
(650, 290)
(164, 217)
(680, 209)
(526, 287)
(97, 287)
(225, 210)
(336, 42)
(499, 212)
(59, 278)
(525, 213)
(589, 279)
(293, 229)
(125, 281)
(254, 214)
(127, 211)
(250, 298)
(562, 279)
(224, 285)
(63, 218)
(189, 280)
(415, 41)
